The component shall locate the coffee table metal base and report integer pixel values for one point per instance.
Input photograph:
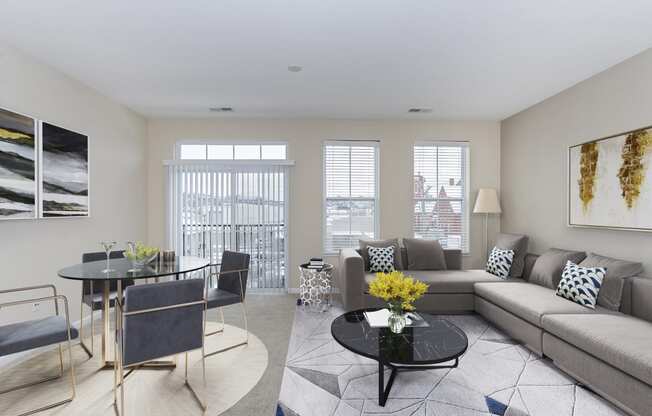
(383, 391)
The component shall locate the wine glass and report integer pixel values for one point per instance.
(108, 245)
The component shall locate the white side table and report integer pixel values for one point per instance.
(316, 286)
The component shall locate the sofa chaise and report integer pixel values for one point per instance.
(608, 350)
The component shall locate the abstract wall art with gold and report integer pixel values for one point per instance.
(610, 182)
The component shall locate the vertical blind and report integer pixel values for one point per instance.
(238, 206)
(350, 193)
(440, 193)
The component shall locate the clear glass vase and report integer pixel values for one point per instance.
(397, 319)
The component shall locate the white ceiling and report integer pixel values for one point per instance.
(465, 59)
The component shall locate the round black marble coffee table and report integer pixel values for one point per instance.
(417, 348)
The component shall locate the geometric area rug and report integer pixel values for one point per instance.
(496, 376)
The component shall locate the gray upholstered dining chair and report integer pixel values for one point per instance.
(158, 320)
(92, 294)
(231, 289)
(37, 333)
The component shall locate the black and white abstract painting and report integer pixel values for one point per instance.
(17, 166)
(64, 176)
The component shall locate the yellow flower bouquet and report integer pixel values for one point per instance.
(398, 290)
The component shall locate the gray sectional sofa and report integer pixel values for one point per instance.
(608, 350)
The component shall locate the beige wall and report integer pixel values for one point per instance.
(534, 149)
(305, 139)
(31, 251)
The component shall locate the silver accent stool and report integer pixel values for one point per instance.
(316, 286)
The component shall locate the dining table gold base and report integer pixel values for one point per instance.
(85, 348)
(152, 365)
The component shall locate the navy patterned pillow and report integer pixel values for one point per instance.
(500, 262)
(381, 259)
(581, 284)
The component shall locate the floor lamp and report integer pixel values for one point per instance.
(487, 203)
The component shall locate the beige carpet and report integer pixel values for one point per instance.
(230, 376)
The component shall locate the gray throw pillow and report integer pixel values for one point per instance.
(424, 254)
(611, 293)
(392, 242)
(518, 244)
(549, 266)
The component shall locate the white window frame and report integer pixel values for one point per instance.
(466, 250)
(376, 200)
(234, 142)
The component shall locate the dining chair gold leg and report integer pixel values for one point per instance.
(115, 367)
(81, 327)
(203, 349)
(60, 360)
(192, 390)
(71, 364)
(120, 361)
(122, 389)
(219, 331)
(92, 321)
(81, 320)
(244, 314)
(53, 405)
(105, 321)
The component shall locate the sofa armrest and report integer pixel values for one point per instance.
(641, 296)
(453, 259)
(351, 279)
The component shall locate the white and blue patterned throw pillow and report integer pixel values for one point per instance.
(581, 284)
(381, 259)
(500, 262)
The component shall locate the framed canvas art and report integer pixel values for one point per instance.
(610, 182)
(17, 166)
(64, 181)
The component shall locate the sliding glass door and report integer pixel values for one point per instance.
(238, 206)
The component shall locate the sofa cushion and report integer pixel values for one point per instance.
(424, 254)
(527, 301)
(450, 281)
(518, 243)
(547, 269)
(27, 335)
(617, 339)
(392, 242)
(611, 294)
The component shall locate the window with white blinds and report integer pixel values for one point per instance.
(441, 209)
(350, 193)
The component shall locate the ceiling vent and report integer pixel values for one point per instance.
(420, 110)
(221, 109)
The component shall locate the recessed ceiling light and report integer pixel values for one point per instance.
(295, 68)
(420, 110)
(221, 109)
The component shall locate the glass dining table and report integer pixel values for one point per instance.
(105, 272)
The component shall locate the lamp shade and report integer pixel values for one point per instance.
(487, 202)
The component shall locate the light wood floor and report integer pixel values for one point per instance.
(148, 392)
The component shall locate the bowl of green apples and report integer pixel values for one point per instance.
(139, 254)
